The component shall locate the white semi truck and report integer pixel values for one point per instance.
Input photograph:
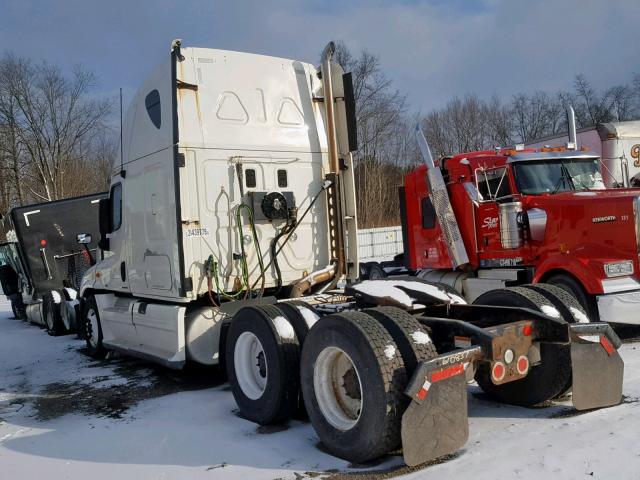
(617, 144)
(230, 224)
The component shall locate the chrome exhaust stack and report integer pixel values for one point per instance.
(442, 205)
(572, 144)
(336, 233)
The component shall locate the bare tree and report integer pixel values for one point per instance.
(51, 120)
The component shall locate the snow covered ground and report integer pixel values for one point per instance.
(64, 415)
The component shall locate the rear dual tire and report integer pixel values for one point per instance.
(544, 381)
(354, 368)
(263, 362)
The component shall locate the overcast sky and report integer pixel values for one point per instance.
(432, 49)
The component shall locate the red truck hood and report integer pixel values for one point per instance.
(593, 227)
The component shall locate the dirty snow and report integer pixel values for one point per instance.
(551, 311)
(578, 315)
(64, 415)
(390, 352)
(420, 338)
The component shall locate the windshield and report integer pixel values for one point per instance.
(535, 178)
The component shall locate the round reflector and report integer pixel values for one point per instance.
(522, 365)
(498, 371)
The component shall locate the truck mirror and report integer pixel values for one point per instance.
(83, 238)
(350, 109)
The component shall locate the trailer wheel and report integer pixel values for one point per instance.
(352, 379)
(413, 341)
(564, 301)
(569, 284)
(262, 359)
(545, 380)
(51, 310)
(92, 328)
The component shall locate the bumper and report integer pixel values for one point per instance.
(623, 307)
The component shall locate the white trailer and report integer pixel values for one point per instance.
(617, 143)
(233, 202)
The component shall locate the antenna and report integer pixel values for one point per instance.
(123, 174)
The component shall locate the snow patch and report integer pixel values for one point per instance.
(551, 311)
(310, 317)
(392, 289)
(284, 328)
(56, 296)
(384, 289)
(420, 338)
(578, 315)
(390, 352)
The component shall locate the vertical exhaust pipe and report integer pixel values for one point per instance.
(336, 233)
(571, 125)
(442, 205)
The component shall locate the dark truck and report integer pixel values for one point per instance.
(56, 242)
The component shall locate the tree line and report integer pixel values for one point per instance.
(56, 140)
(387, 147)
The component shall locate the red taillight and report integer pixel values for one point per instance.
(43, 243)
(498, 371)
(522, 365)
(527, 330)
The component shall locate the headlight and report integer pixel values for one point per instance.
(618, 269)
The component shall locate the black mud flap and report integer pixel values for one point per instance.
(435, 422)
(596, 366)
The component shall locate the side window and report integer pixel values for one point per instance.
(116, 206)
(493, 184)
(428, 214)
(152, 102)
(250, 178)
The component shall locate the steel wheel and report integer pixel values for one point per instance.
(92, 332)
(338, 388)
(250, 365)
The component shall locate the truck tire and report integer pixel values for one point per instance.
(353, 352)
(51, 312)
(567, 305)
(564, 301)
(544, 381)
(413, 341)
(301, 316)
(371, 271)
(263, 364)
(92, 328)
(571, 285)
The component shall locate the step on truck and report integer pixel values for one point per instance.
(528, 216)
(53, 258)
(230, 239)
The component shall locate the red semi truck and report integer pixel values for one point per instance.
(525, 216)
